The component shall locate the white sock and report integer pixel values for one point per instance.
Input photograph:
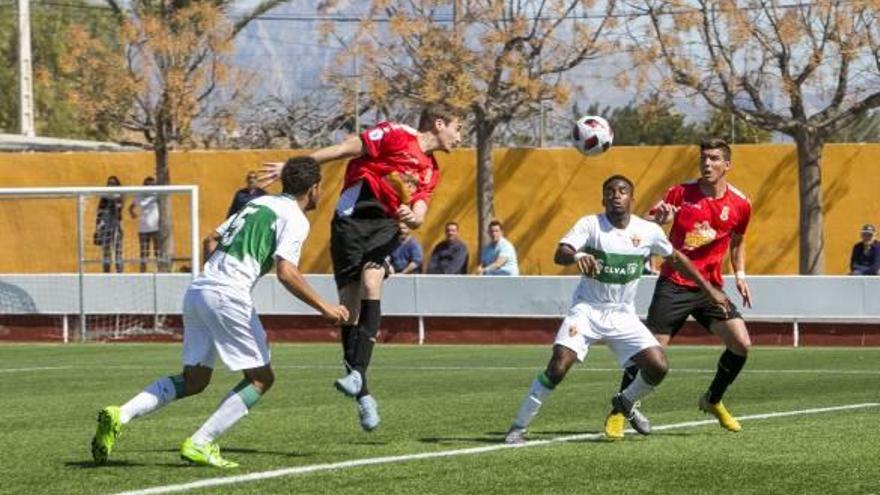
(234, 407)
(538, 392)
(637, 389)
(155, 396)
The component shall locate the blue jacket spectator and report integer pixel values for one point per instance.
(499, 257)
(245, 194)
(865, 257)
(407, 258)
(450, 256)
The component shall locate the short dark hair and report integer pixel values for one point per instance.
(299, 174)
(494, 223)
(615, 177)
(435, 111)
(450, 223)
(716, 144)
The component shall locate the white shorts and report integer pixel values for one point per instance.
(620, 329)
(215, 323)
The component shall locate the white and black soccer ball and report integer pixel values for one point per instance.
(592, 135)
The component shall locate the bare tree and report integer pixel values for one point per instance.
(807, 69)
(175, 69)
(498, 59)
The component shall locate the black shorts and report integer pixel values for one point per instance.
(366, 236)
(672, 303)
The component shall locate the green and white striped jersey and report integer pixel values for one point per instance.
(621, 255)
(266, 228)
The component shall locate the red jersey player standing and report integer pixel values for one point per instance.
(709, 217)
(390, 178)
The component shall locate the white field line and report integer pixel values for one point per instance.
(39, 368)
(294, 471)
(673, 370)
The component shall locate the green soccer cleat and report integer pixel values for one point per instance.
(206, 455)
(106, 434)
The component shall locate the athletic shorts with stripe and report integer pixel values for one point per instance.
(215, 324)
(619, 328)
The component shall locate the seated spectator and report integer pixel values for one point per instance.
(245, 194)
(499, 256)
(865, 258)
(407, 258)
(449, 256)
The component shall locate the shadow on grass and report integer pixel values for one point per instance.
(236, 450)
(90, 464)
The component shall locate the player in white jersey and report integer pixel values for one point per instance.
(609, 250)
(219, 318)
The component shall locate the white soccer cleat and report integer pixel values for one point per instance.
(350, 384)
(515, 436)
(368, 411)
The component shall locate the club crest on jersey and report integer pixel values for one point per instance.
(636, 240)
(376, 134)
(572, 331)
(725, 214)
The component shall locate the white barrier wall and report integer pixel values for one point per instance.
(776, 298)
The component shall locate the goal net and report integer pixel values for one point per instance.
(84, 264)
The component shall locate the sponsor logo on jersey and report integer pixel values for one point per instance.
(701, 235)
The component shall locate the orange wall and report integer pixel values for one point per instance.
(539, 195)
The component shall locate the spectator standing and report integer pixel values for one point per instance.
(407, 258)
(450, 256)
(108, 227)
(865, 257)
(499, 257)
(145, 207)
(245, 194)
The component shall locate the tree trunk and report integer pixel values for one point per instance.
(485, 184)
(163, 177)
(812, 245)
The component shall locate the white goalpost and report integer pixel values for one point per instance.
(88, 259)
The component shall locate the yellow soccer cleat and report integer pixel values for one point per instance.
(614, 424)
(721, 413)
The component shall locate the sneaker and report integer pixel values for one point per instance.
(206, 455)
(515, 436)
(350, 384)
(630, 410)
(614, 425)
(639, 421)
(368, 411)
(108, 430)
(720, 412)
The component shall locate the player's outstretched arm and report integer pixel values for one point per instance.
(351, 147)
(684, 266)
(293, 280)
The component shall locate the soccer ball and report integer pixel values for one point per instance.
(592, 135)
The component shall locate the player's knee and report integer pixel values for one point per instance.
(196, 385)
(741, 346)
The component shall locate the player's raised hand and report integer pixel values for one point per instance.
(269, 172)
(743, 288)
(664, 212)
(587, 264)
(336, 315)
(407, 216)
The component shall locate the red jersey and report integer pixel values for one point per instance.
(393, 148)
(702, 227)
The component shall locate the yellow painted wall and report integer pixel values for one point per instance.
(539, 195)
